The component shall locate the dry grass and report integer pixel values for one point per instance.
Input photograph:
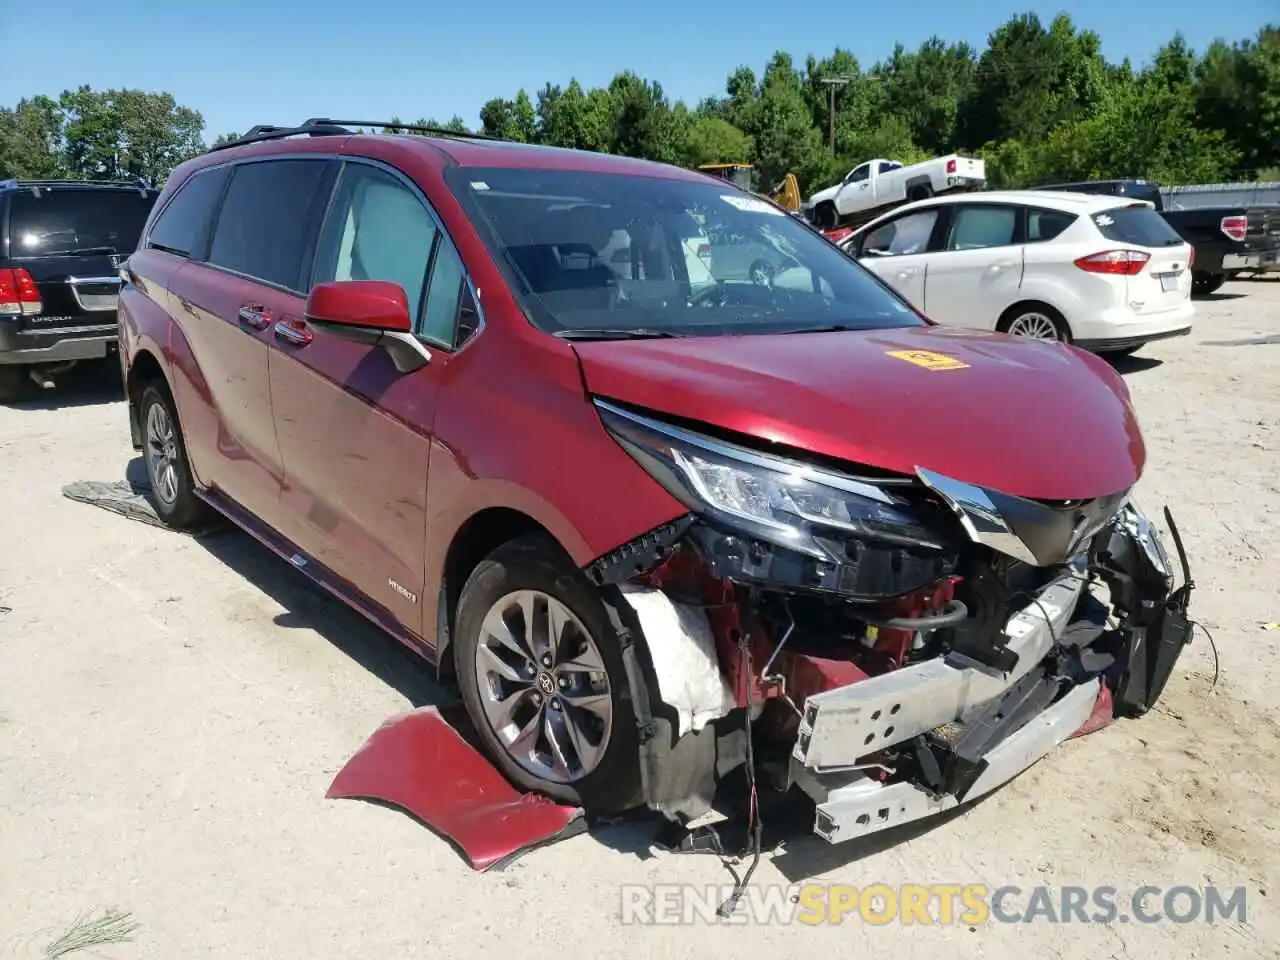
(87, 932)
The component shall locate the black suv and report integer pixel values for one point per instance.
(61, 246)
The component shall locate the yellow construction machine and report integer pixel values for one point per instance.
(785, 194)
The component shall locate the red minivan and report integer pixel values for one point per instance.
(656, 524)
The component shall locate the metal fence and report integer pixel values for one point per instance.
(1221, 195)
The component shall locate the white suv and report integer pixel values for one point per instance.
(1106, 273)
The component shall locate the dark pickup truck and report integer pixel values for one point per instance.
(1227, 240)
(61, 246)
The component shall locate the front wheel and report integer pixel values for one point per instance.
(825, 216)
(173, 490)
(540, 670)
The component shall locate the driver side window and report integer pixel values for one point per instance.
(860, 173)
(377, 229)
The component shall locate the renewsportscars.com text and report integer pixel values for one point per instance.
(931, 904)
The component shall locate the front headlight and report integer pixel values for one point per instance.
(782, 501)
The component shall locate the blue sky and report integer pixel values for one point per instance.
(241, 62)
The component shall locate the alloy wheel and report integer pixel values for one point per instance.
(1035, 326)
(162, 454)
(543, 686)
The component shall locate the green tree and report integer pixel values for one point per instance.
(715, 140)
(127, 134)
(509, 119)
(1237, 92)
(1031, 80)
(31, 139)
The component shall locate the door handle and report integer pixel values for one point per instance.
(294, 331)
(254, 316)
(1001, 264)
(908, 272)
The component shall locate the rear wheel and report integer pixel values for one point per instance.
(540, 670)
(1036, 321)
(173, 490)
(921, 191)
(1203, 284)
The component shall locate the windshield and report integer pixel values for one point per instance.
(606, 253)
(69, 220)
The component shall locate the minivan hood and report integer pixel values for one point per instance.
(1032, 419)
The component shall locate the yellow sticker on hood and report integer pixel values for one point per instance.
(928, 359)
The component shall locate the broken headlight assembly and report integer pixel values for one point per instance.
(783, 523)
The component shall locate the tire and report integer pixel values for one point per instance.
(10, 382)
(921, 191)
(606, 778)
(1126, 352)
(761, 274)
(1203, 284)
(825, 216)
(1034, 316)
(174, 497)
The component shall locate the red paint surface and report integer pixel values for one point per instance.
(1030, 419)
(1103, 713)
(419, 763)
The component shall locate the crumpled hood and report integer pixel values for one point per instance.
(1036, 420)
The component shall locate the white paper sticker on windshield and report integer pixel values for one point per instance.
(1103, 220)
(479, 185)
(752, 205)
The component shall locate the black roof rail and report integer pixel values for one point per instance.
(137, 183)
(411, 127)
(324, 127)
(265, 131)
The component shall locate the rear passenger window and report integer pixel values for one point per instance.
(183, 225)
(377, 229)
(265, 221)
(977, 226)
(1047, 224)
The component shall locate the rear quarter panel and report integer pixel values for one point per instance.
(146, 323)
(1049, 273)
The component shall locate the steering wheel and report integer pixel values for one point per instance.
(716, 295)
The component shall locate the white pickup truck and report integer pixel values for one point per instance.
(876, 185)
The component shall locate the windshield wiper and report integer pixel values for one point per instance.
(70, 251)
(825, 328)
(639, 333)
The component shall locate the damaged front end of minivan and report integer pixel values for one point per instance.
(891, 645)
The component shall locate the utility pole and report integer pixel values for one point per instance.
(839, 81)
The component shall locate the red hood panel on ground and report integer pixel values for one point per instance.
(1031, 419)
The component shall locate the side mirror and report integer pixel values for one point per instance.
(364, 305)
(371, 312)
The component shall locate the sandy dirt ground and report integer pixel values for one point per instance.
(172, 711)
